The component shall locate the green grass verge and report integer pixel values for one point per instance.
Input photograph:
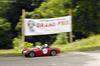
(91, 43)
(10, 52)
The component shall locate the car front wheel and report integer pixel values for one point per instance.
(26, 56)
(31, 54)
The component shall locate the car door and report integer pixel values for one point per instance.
(39, 52)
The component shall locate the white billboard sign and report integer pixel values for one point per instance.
(47, 26)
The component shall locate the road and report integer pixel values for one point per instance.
(91, 58)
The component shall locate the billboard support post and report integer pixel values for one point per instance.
(22, 31)
(70, 33)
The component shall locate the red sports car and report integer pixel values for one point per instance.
(34, 52)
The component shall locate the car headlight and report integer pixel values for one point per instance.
(24, 51)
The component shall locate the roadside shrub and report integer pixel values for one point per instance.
(37, 43)
(28, 45)
(61, 39)
(18, 45)
(90, 43)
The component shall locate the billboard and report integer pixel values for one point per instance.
(47, 26)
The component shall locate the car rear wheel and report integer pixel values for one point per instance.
(53, 53)
(32, 54)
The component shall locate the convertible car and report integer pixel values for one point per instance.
(37, 51)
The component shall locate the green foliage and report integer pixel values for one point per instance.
(50, 8)
(61, 39)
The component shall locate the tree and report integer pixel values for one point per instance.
(61, 39)
(14, 12)
(11, 10)
(51, 9)
(85, 13)
(86, 16)
(4, 5)
(5, 34)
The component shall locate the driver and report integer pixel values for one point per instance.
(45, 46)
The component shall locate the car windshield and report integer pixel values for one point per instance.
(38, 47)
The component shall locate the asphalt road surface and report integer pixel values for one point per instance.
(91, 58)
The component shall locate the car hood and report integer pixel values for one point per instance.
(29, 49)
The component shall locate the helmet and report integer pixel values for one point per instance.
(46, 45)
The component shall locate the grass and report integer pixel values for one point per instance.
(88, 44)
(10, 52)
(91, 43)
